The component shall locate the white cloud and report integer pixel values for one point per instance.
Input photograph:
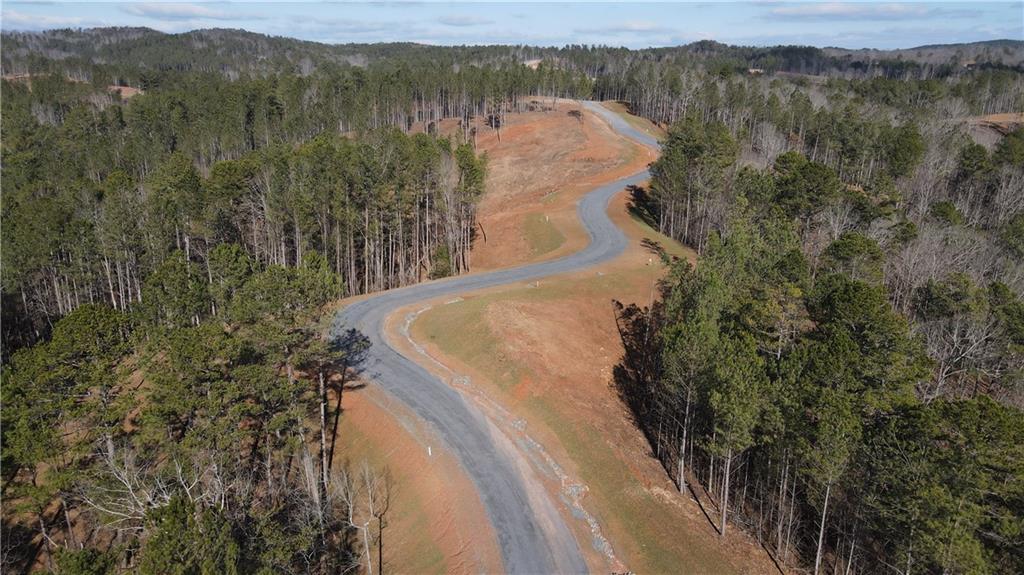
(179, 11)
(14, 20)
(463, 21)
(359, 26)
(861, 11)
(635, 27)
(335, 30)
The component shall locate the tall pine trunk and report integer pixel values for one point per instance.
(725, 491)
(821, 528)
(324, 467)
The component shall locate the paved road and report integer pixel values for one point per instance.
(532, 536)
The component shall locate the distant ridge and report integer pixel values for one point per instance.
(236, 51)
(1005, 52)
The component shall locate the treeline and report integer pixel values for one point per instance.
(940, 62)
(893, 150)
(194, 434)
(841, 371)
(168, 399)
(211, 117)
(69, 142)
(843, 123)
(697, 166)
(385, 211)
(131, 53)
(98, 188)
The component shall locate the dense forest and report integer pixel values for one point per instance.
(268, 163)
(167, 256)
(841, 371)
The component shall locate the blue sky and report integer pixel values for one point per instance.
(844, 24)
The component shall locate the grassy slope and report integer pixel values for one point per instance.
(653, 529)
(541, 235)
(650, 534)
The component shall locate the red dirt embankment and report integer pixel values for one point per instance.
(545, 352)
(542, 164)
(437, 524)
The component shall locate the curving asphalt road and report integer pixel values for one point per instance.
(532, 536)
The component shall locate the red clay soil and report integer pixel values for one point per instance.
(1005, 123)
(125, 91)
(542, 164)
(555, 348)
(562, 339)
(989, 130)
(437, 523)
(549, 377)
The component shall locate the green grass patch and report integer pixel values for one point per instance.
(424, 556)
(626, 511)
(460, 331)
(549, 197)
(541, 234)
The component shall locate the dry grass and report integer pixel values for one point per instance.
(546, 350)
(542, 164)
(562, 336)
(541, 235)
(642, 124)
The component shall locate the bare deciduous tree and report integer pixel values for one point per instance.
(366, 494)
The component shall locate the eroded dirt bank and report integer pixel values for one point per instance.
(538, 357)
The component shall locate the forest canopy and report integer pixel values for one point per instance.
(849, 336)
(841, 371)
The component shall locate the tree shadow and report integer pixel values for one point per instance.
(655, 248)
(700, 504)
(635, 380)
(643, 206)
(17, 548)
(351, 348)
(633, 376)
(771, 555)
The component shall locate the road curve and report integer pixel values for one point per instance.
(532, 536)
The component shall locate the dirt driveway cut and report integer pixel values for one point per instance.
(527, 480)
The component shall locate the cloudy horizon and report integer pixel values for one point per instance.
(881, 25)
